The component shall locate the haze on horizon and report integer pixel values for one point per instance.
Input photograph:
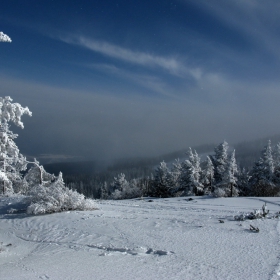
(115, 79)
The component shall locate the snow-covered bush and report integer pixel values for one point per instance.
(53, 196)
(256, 214)
(219, 192)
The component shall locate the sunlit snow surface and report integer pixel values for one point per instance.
(170, 238)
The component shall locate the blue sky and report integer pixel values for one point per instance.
(109, 79)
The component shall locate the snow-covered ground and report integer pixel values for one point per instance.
(174, 238)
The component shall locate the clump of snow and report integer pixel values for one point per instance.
(5, 38)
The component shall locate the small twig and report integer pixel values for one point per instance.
(255, 229)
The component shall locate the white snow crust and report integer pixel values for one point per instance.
(173, 238)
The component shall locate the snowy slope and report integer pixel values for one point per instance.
(140, 239)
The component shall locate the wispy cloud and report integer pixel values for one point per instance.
(170, 64)
(258, 21)
(150, 82)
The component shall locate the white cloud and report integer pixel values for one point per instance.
(152, 83)
(172, 65)
(258, 21)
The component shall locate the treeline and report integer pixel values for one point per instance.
(218, 175)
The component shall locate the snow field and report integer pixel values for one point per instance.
(170, 238)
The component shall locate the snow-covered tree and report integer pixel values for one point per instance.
(103, 191)
(12, 162)
(119, 182)
(243, 182)
(161, 183)
(37, 175)
(174, 178)
(207, 178)
(119, 187)
(189, 181)
(220, 161)
(134, 189)
(229, 179)
(277, 165)
(4, 38)
(195, 161)
(262, 180)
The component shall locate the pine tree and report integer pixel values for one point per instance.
(103, 191)
(229, 179)
(207, 178)
(119, 186)
(243, 182)
(189, 180)
(195, 161)
(277, 165)
(12, 162)
(262, 180)
(220, 161)
(161, 187)
(174, 178)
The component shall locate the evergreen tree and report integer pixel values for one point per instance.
(103, 191)
(189, 180)
(229, 180)
(195, 161)
(262, 180)
(277, 165)
(243, 182)
(161, 187)
(207, 178)
(220, 161)
(118, 186)
(12, 162)
(174, 177)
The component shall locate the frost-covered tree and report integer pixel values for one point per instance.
(12, 162)
(243, 182)
(220, 160)
(161, 183)
(174, 178)
(118, 187)
(37, 175)
(4, 38)
(277, 165)
(195, 161)
(103, 191)
(229, 179)
(133, 189)
(189, 181)
(262, 180)
(207, 178)
(119, 182)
